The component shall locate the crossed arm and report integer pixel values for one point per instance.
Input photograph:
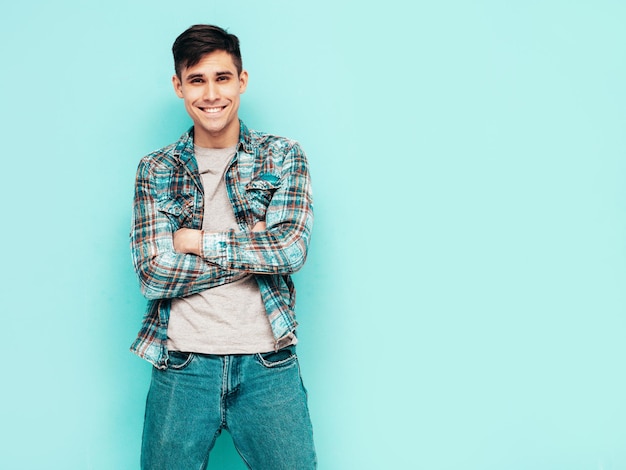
(176, 262)
(188, 240)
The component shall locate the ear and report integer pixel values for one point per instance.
(178, 86)
(243, 81)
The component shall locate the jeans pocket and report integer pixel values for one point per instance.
(178, 360)
(282, 358)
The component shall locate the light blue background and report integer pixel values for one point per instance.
(463, 303)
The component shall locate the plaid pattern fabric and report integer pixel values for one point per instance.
(269, 181)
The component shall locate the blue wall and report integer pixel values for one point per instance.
(463, 306)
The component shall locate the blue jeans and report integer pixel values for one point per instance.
(258, 398)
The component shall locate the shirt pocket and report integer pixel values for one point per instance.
(178, 210)
(259, 193)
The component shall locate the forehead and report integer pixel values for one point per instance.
(214, 62)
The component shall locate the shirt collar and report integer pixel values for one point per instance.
(245, 138)
(184, 146)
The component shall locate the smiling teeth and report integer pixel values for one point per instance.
(212, 110)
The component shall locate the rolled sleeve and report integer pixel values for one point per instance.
(214, 246)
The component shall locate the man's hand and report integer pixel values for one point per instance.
(259, 227)
(187, 240)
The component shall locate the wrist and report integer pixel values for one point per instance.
(199, 243)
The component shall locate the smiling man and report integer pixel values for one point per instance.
(221, 219)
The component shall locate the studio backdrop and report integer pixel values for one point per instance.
(463, 305)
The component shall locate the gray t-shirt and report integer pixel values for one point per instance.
(228, 319)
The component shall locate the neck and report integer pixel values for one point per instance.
(218, 140)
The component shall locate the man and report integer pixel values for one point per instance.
(221, 219)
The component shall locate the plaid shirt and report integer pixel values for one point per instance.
(268, 180)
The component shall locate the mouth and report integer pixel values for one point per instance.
(212, 109)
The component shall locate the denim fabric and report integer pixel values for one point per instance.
(258, 398)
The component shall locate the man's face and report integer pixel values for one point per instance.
(210, 90)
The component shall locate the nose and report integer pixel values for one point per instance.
(211, 91)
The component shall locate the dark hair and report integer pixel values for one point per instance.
(202, 39)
